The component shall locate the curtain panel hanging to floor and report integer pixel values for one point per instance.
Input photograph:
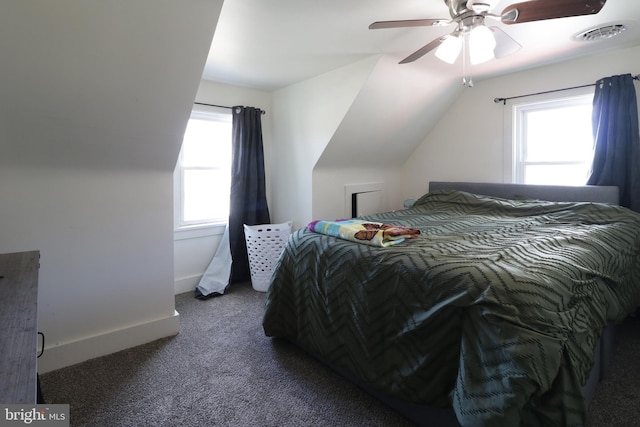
(248, 204)
(617, 139)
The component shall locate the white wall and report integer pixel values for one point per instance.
(193, 251)
(329, 190)
(306, 116)
(105, 260)
(95, 98)
(468, 143)
(356, 124)
(386, 121)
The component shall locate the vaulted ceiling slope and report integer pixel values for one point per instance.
(390, 116)
(106, 84)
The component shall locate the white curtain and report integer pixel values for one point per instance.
(215, 279)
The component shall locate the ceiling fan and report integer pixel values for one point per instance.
(488, 42)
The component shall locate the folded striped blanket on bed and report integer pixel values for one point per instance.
(367, 232)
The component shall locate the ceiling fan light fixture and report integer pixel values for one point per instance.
(488, 43)
(450, 49)
(481, 45)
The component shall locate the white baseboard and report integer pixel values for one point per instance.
(67, 354)
(186, 284)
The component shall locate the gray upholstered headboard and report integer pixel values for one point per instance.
(553, 193)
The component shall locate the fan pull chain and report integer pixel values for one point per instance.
(464, 64)
(464, 60)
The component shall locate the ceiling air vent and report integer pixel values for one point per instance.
(600, 33)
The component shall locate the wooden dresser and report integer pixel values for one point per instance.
(18, 326)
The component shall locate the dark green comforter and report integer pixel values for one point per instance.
(495, 309)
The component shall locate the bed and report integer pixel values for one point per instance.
(498, 314)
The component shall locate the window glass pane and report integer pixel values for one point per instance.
(559, 134)
(557, 174)
(206, 194)
(207, 144)
(553, 141)
(203, 171)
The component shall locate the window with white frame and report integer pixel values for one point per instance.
(203, 171)
(553, 141)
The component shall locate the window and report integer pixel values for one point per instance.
(203, 171)
(553, 141)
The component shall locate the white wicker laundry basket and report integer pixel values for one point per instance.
(265, 243)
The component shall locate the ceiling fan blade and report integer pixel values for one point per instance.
(409, 23)
(505, 45)
(424, 50)
(539, 10)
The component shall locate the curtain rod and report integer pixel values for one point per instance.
(221, 106)
(504, 100)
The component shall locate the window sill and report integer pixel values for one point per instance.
(198, 231)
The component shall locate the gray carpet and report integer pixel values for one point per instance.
(222, 371)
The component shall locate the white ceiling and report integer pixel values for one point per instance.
(271, 44)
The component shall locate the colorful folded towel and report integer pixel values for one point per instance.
(367, 232)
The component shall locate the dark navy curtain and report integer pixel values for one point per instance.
(248, 203)
(617, 140)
